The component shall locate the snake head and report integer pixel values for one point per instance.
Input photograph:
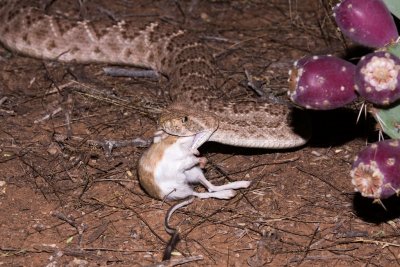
(181, 122)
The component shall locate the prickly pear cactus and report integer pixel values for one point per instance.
(367, 22)
(376, 170)
(322, 82)
(378, 78)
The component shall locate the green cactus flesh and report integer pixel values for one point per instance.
(393, 6)
(389, 120)
(394, 49)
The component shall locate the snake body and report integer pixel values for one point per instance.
(165, 48)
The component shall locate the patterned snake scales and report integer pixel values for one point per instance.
(196, 102)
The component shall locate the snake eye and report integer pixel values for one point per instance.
(184, 119)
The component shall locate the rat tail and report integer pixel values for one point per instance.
(172, 231)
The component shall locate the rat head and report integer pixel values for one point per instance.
(181, 122)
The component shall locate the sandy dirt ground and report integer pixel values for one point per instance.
(69, 200)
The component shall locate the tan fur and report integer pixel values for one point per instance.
(148, 163)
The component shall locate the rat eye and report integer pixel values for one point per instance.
(184, 119)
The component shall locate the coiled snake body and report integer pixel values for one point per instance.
(174, 52)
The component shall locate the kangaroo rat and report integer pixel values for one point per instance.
(169, 167)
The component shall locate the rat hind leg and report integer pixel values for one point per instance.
(223, 194)
(195, 175)
(180, 191)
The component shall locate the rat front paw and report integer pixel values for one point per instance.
(202, 162)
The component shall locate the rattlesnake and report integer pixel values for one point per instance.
(167, 49)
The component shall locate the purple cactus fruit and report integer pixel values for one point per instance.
(376, 170)
(367, 22)
(322, 82)
(378, 78)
